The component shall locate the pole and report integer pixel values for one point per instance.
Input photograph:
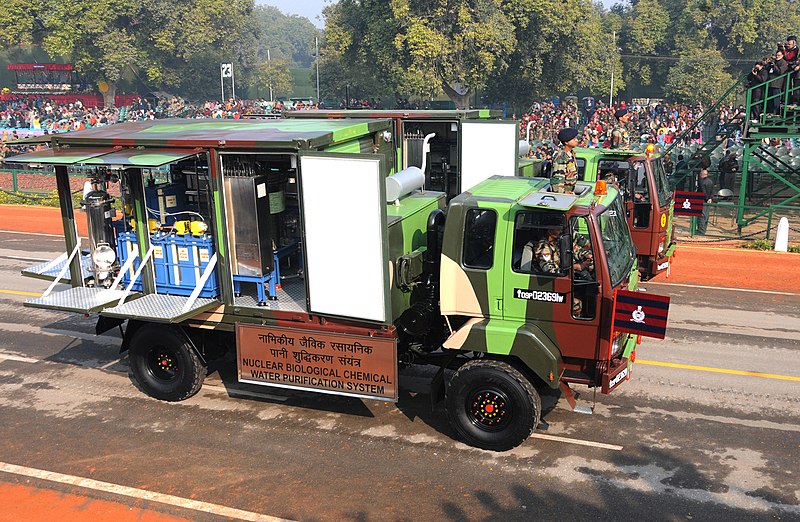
(316, 45)
(613, 48)
(269, 69)
(233, 84)
(221, 85)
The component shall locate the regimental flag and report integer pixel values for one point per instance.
(641, 313)
(689, 203)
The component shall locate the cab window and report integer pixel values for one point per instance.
(479, 233)
(536, 249)
(614, 172)
(640, 188)
(584, 278)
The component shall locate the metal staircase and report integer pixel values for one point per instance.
(770, 170)
(714, 135)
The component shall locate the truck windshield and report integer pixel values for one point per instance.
(617, 241)
(662, 182)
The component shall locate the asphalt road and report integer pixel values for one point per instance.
(707, 429)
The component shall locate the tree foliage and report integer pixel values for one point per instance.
(287, 37)
(274, 75)
(162, 40)
(421, 47)
(708, 65)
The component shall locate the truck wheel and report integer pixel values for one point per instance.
(492, 405)
(164, 364)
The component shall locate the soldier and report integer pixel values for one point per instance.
(546, 254)
(565, 171)
(582, 254)
(547, 257)
(620, 139)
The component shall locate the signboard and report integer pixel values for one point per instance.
(339, 364)
(226, 70)
(641, 313)
(689, 203)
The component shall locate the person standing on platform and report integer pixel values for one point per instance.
(706, 186)
(620, 138)
(565, 170)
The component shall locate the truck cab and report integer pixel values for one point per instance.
(643, 183)
(510, 307)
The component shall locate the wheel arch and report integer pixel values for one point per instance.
(511, 341)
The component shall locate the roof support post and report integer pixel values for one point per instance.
(135, 182)
(70, 226)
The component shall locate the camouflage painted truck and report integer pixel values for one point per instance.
(649, 201)
(321, 273)
(456, 149)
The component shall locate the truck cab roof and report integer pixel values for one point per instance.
(534, 193)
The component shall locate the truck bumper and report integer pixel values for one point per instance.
(662, 261)
(619, 370)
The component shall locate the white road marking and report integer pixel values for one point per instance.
(112, 363)
(30, 233)
(721, 288)
(115, 489)
(577, 441)
(18, 358)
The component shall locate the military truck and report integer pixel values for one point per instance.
(322, 273)
(649, 201)
(643, 182)
(456, 149)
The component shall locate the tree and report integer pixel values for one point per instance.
(738, 28)
(274, 75)
(562, 47)
(172, 43)
(644, 33)
(420, 47)
(287, 37)
(698, 76)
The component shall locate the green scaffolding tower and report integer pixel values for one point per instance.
(770, 175)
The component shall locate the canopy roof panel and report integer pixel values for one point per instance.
(59, 156)
(472, 114)
(261, 134)
(141, 158)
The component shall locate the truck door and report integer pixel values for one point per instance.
(488, 148)
(540, 289)
(344, 219)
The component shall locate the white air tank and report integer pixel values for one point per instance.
(404, 182)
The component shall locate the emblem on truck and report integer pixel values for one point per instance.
(637, 316)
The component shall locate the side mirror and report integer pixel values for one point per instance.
(565, 252)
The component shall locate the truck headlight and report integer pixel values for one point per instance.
(104, 257)
(616, 344)
(661, 247)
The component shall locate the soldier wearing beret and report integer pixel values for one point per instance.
(620, 139)
(565, 171)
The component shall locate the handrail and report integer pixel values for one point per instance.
(63, 271)
(786, 90)
(706, 113)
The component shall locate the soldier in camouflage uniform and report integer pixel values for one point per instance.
(582, 254)
(620, 139)
(565, 170)
(548, 259)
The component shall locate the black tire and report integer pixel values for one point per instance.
(164, 364)
(491, 405)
